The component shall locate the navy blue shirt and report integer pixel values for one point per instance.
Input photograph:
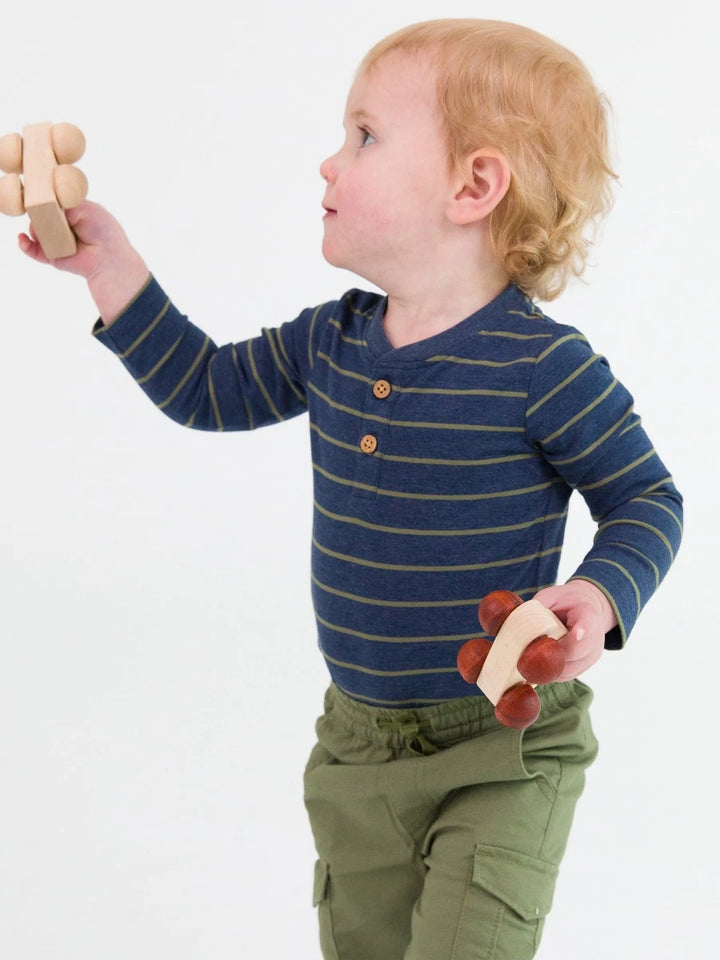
(442, 469)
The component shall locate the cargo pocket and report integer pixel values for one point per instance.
(523, 883)
(321, 890)
(509, 897)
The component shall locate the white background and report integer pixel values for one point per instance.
(159, 679)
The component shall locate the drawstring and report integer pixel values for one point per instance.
(408, 726)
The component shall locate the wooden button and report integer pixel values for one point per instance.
(381, 389)
(368, 444)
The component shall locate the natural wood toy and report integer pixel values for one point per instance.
(50, 184)
(525, 652)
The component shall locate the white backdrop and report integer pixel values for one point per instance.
(158, 673)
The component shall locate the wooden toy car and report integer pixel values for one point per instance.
(50, 184)
(525, 652)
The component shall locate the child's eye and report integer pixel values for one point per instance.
(366, 137)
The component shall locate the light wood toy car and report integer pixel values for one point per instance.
(44, 155)
(525, 652)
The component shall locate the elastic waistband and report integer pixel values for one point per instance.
(424, 729)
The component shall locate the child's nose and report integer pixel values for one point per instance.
(328, 169)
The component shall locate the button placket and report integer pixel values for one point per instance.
(381, 391)
(378, 403)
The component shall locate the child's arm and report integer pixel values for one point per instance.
(582, 420)
(114, 271)
(233, 387)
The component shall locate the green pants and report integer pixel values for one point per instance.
(439, 832)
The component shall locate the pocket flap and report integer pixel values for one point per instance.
(524, 883)
(320, 885)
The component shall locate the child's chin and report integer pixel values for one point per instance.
(332, 257)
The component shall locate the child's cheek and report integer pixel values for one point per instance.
(368, 202)
(377, 215)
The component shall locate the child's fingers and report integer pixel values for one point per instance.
(31, 248)
(583, 645)
(575, 668)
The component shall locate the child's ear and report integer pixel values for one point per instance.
(482, 181)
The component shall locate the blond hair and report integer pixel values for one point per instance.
(504, 86)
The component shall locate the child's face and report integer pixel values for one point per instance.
(389, 185)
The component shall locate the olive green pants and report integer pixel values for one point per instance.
(439, 832)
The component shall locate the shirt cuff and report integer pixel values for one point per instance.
(132, 321)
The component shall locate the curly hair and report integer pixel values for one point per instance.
(505, 86)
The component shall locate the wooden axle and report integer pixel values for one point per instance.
(50, 184)
(525, 652)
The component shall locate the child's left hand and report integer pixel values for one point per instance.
(588, 616)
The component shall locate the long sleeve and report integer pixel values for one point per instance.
(583, 420)
(234, 387)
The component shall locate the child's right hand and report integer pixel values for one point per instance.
(114, 271)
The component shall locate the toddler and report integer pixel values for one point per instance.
(450, 420)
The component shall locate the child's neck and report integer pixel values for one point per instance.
(410, 319)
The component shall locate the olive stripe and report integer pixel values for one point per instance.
(618, 473)
(256, 376)
(443, 392)
(598, 518)
(473, 532)
(593, 446)
(413, 604)
(358, 312)
(559, 343)
(283, 348)
(346, 373)
(621, 568)
(527, 316)
(146, 332)
(281, 367)
(431, 391)
(514, 336)
(653, 487)
(345, 409)
(374, 638)
(311, 359)
(414, 701)
(343, 337)
(399, 604)
(626, 521)
(397, 458)
(191, 370)
(387, 673)
(660, 506)
(444, 358)
(447, 497)
(413, 424)
(238, 373)
(639, 553)
(161, 362)
(630, 426)
(213, 398)
(434, 568)
(563, 383)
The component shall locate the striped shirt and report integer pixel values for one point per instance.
(442, 469)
